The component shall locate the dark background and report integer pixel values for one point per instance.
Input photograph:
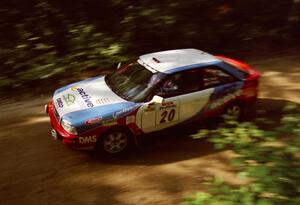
(52, 42)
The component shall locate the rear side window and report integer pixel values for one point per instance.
(194, 80)
(241, 71)
(214, 76)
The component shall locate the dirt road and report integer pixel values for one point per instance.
(37, 170)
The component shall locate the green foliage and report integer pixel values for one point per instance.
(42, 39)
(270, 160)
(48, 45)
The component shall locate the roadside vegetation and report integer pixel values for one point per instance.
(267, 160)
(50, 43)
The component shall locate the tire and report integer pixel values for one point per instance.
(234, 111)
(114, 142)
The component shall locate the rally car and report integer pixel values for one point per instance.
(156, 91)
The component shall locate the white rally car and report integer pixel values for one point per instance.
(157, 91)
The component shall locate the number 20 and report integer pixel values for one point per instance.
(167, 116)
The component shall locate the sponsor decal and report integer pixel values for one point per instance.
(93, 121)
(224, 99)
(168, 112)
(102, 101)
(123, 112)
(59, 102)
(130, 119)
(167, 105)
(167, 116)
(86, 98)
(109, 122)
(69, 99)
(74, 88)
(87, 139)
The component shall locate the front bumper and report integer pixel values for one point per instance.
(59, 133)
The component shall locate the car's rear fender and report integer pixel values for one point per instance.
(251, 72)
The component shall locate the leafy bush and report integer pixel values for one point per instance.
(42, 39)
(270, 160)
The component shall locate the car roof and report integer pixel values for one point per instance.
(172, 61)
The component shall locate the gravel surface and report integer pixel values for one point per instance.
(38, 170)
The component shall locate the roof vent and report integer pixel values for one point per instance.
(156, 60)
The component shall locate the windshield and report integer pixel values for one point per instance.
(133, 82)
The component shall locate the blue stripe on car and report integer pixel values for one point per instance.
(105, 112)
(223, 90)
(218, 93)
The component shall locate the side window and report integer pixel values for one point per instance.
(181, 83)
(213, 76)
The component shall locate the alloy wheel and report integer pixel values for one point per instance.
(115, 142)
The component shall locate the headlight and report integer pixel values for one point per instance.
(68, 127)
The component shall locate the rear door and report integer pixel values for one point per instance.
(226, 87)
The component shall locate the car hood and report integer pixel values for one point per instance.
(90, 94)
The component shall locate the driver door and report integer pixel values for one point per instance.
(157, 116)
(183, 99)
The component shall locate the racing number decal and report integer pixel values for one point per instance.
(166, 113)
(170, 114)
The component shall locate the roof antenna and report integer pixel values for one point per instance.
(156, 60)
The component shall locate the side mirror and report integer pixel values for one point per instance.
(157, 99)
(119, 65)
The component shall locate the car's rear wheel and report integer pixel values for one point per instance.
(233, 111)
(115, 142)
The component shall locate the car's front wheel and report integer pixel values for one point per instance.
(115, 141)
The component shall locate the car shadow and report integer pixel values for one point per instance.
(177, 144)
